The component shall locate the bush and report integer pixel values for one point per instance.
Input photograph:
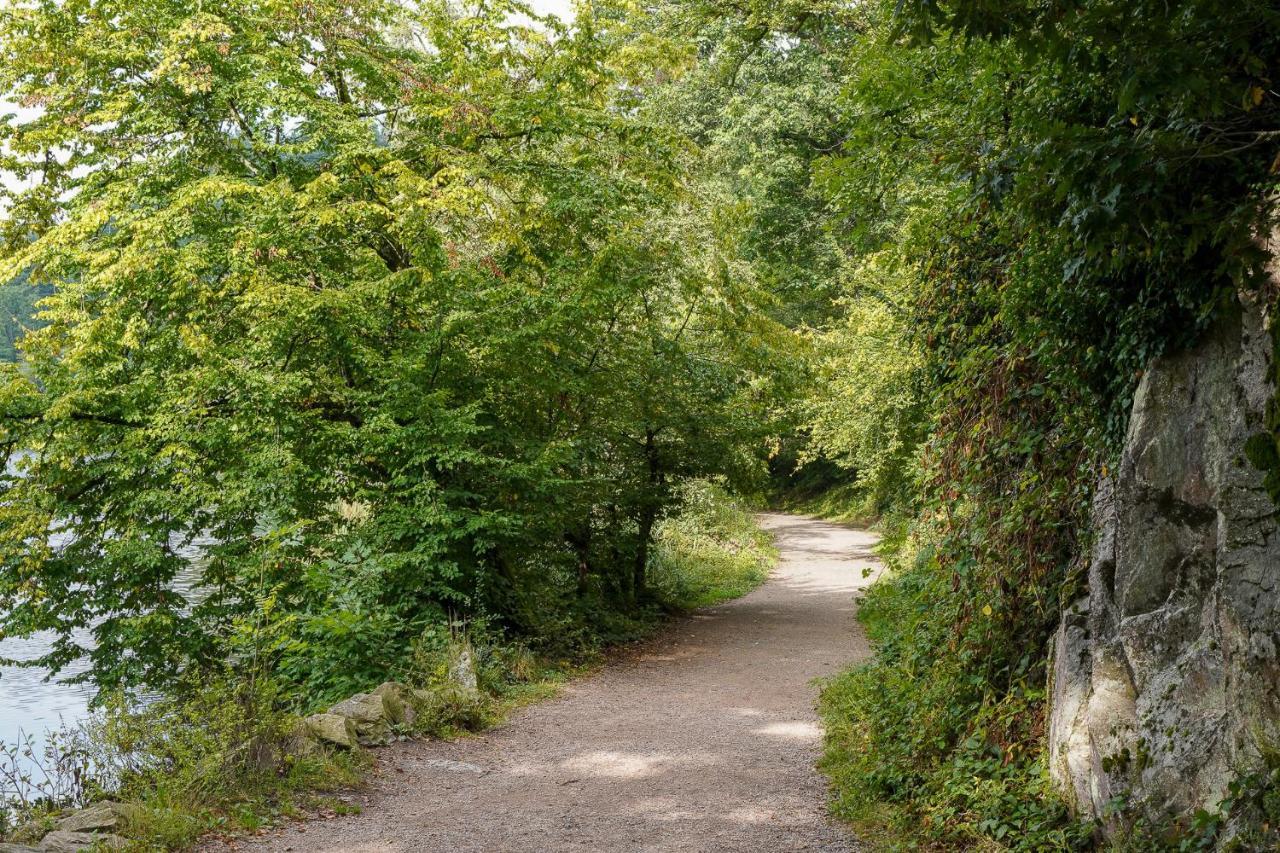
(217, 756)
(924, 745)
(711, 551)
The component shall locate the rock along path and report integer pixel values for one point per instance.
(703, 739)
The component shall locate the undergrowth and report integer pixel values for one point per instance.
(710, 552)
(923, 751)
(225, 754)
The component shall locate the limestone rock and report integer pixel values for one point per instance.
(462, 669)
(300, 742)
(1165, 675)
(369, 713)
(332, 728)
(104, 815)
(73, 842)
(361, 708)
(397, 702)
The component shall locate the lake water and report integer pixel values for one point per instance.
(30, 703)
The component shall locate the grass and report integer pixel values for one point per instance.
(847, 504)
(712, 552)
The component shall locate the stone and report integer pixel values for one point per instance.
(397, 702)
(462, 669)
(368, 711)
(17, 848)
(362, 708)
(1165, 679)
(104, 815)
(61, 841)
(300, 742)
(332, 728)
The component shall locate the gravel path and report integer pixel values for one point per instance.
(701, 740)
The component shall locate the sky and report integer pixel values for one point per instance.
(559, 8)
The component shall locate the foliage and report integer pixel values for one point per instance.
(223, 753)
(709, 552)
(393, 311)
(1025, 203)
(37, 780)
(222, 758)
(412, 314)
(18, 301)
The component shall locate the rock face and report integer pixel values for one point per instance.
(1165, 678)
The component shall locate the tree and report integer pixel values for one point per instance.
(383, 304)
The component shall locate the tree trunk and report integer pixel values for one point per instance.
(649, 504)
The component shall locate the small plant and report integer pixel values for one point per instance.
(52, 776)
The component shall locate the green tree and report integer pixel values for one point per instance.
(386, 304)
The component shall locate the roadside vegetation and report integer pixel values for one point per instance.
(230, 757)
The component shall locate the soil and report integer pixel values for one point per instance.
(703, 739)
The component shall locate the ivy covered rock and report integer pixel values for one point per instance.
(1166, 675)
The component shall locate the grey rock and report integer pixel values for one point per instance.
(462, 669)
(362, 708)
(1165, 681)
(397, 702)
(332, 728)
(17, 848)
(301, 741)
(368, 711)
(104, 815)
(74, 842)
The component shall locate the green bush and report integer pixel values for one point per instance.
(921, 748)
(709, 552)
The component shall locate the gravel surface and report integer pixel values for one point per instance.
(703, 739)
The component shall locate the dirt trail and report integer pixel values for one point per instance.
(702, 740)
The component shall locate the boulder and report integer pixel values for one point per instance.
(1165, 679)
(332, 728)
(368, 711)
(104, 815)
(17, 848)
(300, 742)
(397, 702)
(62, 841)
(362, 708)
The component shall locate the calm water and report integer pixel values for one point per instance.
(30, 703)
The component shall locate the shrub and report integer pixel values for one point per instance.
(711, 551)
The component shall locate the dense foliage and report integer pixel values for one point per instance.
(17, 314)
(393, 313)
(1018, 206)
